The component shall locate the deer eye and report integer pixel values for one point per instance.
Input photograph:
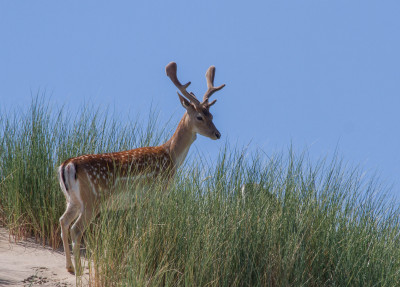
(199, 118)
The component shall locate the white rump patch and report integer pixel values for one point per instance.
(72, 183)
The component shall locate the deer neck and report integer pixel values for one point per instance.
(178, 145)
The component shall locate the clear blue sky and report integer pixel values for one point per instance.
(318, 74)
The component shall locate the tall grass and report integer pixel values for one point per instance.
(297, 223)
(33, 143)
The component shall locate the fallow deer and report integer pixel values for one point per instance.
(84, 178)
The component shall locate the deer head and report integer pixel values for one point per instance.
(198, 112)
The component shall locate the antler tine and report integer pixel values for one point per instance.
(171, 69)
(210, 74)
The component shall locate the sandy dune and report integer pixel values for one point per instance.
(29, 264)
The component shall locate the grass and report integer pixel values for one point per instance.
(298, 223)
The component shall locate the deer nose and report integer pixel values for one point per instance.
(217, 134)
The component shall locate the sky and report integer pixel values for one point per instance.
(318, 75)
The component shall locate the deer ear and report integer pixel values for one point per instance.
(185, 103)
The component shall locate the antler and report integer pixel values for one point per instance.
(170, 69)
(210, 85)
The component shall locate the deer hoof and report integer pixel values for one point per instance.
(71, 269)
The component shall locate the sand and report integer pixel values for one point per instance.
(27, 263)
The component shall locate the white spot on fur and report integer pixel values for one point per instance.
(93, 188)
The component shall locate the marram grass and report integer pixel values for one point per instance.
(295, 223)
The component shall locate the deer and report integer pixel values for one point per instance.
(87, 178)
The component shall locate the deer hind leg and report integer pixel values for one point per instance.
(65, 221)
(77, 232)
(71, 189)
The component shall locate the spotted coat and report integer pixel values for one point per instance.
(103, 170)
